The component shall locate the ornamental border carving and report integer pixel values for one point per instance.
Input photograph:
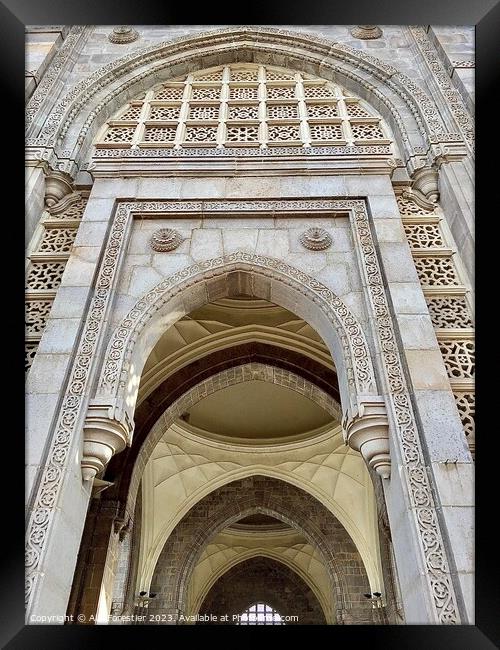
(446, 86)
(427, 526)
(414, 469)
(356, 356)
(58, 63)
(242, 151)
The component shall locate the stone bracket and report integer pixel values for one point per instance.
(366, 430)
(107, 430)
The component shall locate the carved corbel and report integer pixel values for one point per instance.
(419, 199)
(107, 431)
(65, 202)
(57, 186)
(425, 182)
(367, 431)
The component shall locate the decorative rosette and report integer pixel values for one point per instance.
(316, 239)
(165, 239)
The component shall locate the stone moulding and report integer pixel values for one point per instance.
(77, 34)
(413, 472)
(446, 86)
(370, 159)
(168, 152)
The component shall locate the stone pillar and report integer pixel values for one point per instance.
(34, 191)
(457, 202)
(430, 493)
(97, 560)
(57, 395)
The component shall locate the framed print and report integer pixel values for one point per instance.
(250, 323)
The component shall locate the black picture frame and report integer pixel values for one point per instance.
(485, 16)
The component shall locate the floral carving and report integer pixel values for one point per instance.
(366, 32)
(165, 239)
(316, 239)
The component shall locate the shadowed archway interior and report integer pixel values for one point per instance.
(261, 580)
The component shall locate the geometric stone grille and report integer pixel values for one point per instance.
(249, 104)
(45, 275)
(57, 240)
(459, 358)
(408, 208)
(466, 404)
(36, 314)
(435, 271)
(423, 235)
(448, 312)
(30, 348)
(74, 211)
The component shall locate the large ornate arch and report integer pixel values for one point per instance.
(67, 135)
(172, 573)
(154, 312)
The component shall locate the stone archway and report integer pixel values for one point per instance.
(259, 276)
(271, 279)
(285, 502)
(121, 466)
(262, 579)
(199, 592)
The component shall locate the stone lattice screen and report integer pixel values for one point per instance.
(446, 298)
(244, 105)
(58, 228)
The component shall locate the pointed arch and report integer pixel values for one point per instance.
(260, 276)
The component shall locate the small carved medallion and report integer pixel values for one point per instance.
(316, 239)
(165, 239)
(366, 32)
(123, 34)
